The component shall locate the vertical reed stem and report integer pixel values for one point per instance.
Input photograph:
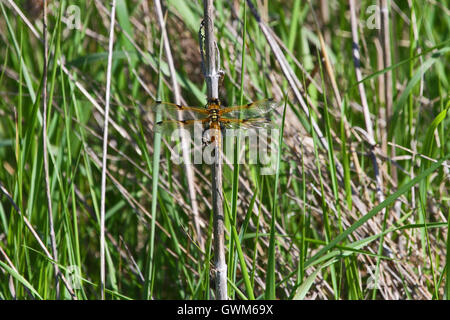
(212, 76)
(387, 58)
(105, 152)
(46, 168)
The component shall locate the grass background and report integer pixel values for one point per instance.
(306, 232)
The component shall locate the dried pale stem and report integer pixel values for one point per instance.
(46, 170)
(388, 86)
(325, 18)
(177, 96)
(212, 75)
(369, 128)
(105, 152)
(219, 227)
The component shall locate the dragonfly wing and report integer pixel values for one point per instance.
(169, 127)
(177, 111)
(251, 110)
(253, 123)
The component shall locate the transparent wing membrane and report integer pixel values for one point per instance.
(178, 112)
(167, 127)
(252, 110)
(253, 123)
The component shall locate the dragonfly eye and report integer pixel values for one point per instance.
(214, 101)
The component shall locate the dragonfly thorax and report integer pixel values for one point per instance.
(213, 107)
(214, 113)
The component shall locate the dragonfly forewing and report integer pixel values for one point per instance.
(174, 111)
(170, 127)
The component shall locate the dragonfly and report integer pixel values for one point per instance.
(254, 115)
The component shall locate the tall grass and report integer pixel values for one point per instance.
(315, 229)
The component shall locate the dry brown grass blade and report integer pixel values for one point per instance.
(388, 85)
(177, 96)
(367, 116)
(105, 152)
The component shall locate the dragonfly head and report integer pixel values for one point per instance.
(214, 101)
